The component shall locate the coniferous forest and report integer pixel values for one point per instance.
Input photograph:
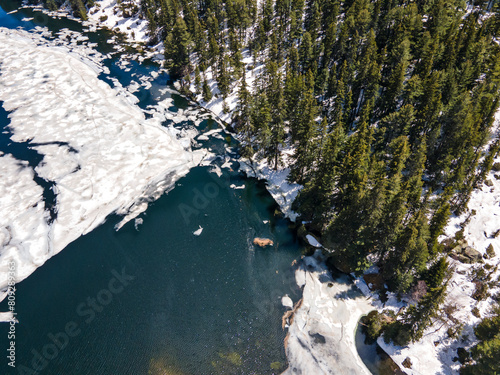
(388, 106)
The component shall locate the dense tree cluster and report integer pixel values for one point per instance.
(387, 105)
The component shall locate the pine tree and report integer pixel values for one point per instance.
(304, 130)
(396, 78)
(410, 253)
(243, 119)
(177, 45)
(207, 93)
(417, 318)
(261, 120)
(306, 52)
(369, 72)
(436, 273)
(223, 77)
(439, 219)
(197, 80)
(79, 9)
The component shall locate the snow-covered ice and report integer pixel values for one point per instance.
(98, 148)
(313, 241)
(233, 186)
(321, 338)
(198, 231)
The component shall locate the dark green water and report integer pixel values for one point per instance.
(190, 301)
(157, 299)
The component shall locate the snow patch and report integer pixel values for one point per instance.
(286, 301)
(313, 241)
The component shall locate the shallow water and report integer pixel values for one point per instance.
(198, 304)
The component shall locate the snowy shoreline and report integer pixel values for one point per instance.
(321, 339)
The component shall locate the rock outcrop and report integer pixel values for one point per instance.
(465, 253)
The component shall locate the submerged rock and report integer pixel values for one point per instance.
(262, 242)
(276, 365)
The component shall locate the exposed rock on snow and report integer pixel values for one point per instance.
(466, 254)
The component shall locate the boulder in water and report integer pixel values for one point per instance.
(262, 242)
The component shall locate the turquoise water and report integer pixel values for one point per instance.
(155, 299)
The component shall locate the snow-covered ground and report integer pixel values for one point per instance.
(321, 339)
(436, 351)
(216, 104)
(111, 13)
(282, 191)
(98, 148)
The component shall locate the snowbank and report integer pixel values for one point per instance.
(277, 184)
(313, 241)
(321, 339)
(98, 148)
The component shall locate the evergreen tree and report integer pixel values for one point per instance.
(486, 353)
(197, 80)
(207, 93)
(177, 46)
(410, 253)
(417, 318)
(436, 273)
